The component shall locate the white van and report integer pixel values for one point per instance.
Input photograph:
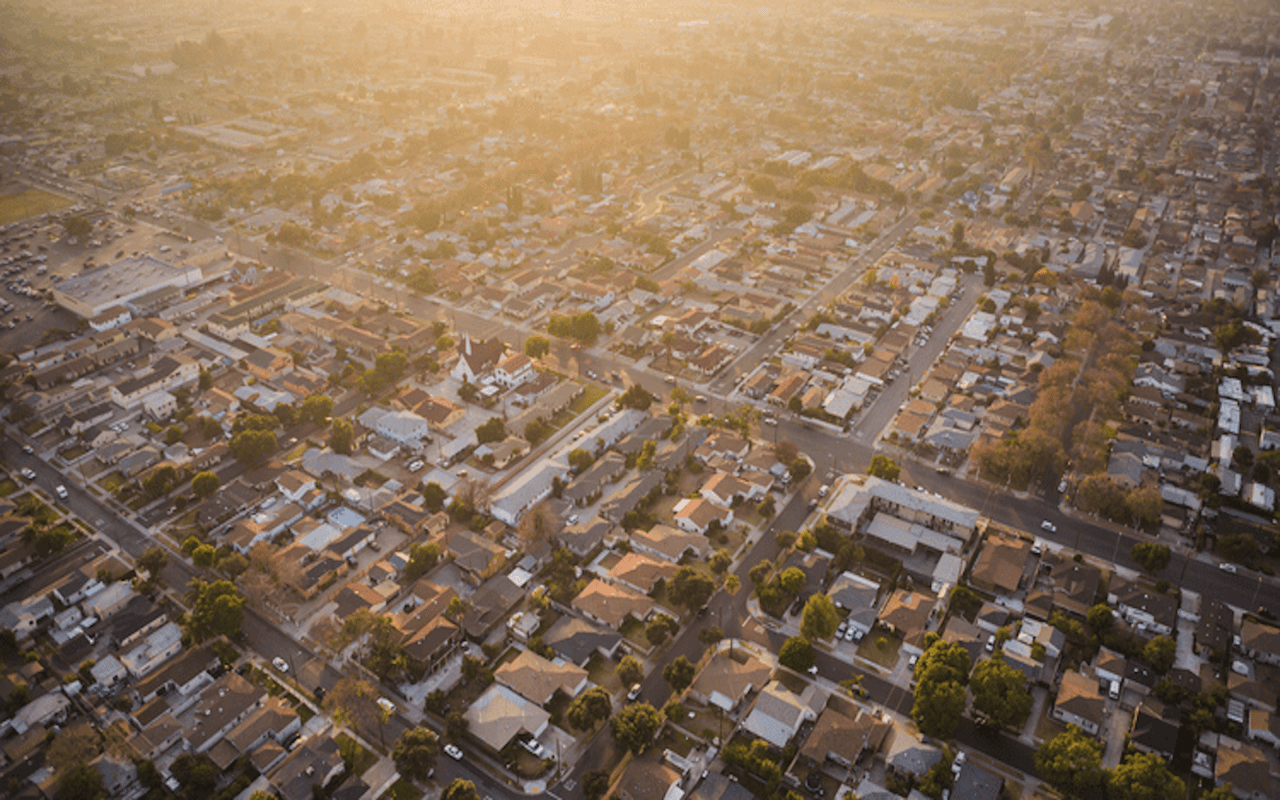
(1114, 692)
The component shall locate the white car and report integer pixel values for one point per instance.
(27, 473)
(534, 747)
(1225, 567)
(822, 490)
(1048, 526)
(280, 664)
(61, 491)
(386, 705)
(452, 751)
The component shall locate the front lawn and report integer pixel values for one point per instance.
(402, 790)
(591, 394)
(604, 672)
(880, 647)
(355, 756)
(7, 487)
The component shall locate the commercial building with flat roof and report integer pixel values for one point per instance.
(95, 290)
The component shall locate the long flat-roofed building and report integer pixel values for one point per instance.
(95, 290)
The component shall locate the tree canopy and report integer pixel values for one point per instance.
(415, 753)
(634, 726)
(820, 618)
(1144, 776)
(216, 609)
(590, 707)
(1151, 556)
(679, 673)
(884, 467)
(1071, 762)
(690, 587)
(796, 653)
(1000, 692)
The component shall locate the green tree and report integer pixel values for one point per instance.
(690, 588)
(253, 446)
(1000, 692)
(791, 580)
(884, 468)
(720, 562)
(943, 662)
(937, 708)
(340, 434)
(820, 619)
(77, 226)
(1100, 618)
(216, 609)
(154, 560)
(634, 726)
(1144, 776)
(172, 434)
(205, 483)
(796, 653)
(1071, 762)
(495, 430)
(1151, 556)
(635, 397)
(197, 774)
(679, 674)
(205, 381)
(710, 635)
(660, 629)
(760, 571)
(415, 753)
(630, 672)
(316, 408)
(588, 708)
(595, 784)
(459, 789)
(536, 346)
(82, 782)
(422, 557)
(160, 480)
(1159, 653)
(204, 556)
(580, 460)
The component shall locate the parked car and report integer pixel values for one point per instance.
(280, 664)
(61, 491)
(27, 473)
(452, 751)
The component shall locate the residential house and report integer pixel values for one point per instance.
(999, 567)
(222, 706)
(649, 780)
(727, 680)
(1078, 703)
(668, 543)
(1155, 728)
(699, 515)
(1246, 768)
(641, 572)
(1150, 612)
(475, 555)
(907, 611)
(577, 640)
(778, 712)
(314, 763)
(610, 605)
(843, 740)
(858, 596)
(538, 680)
(583, 537)
(1260, 641)
(499, 715)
